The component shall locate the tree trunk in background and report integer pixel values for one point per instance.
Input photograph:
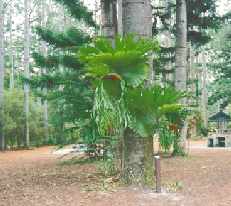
(138, 152)
(44, 52)
(120, 17)
(109, 29)
(204, 95)
(11, 48)
(26, 70)
(108, 19)
(2, 138)
(181, 46)
(181, 60)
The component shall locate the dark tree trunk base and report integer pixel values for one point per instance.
(138, 168)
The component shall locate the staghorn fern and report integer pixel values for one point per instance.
(145, 105)
(121, 100)
(127, 60)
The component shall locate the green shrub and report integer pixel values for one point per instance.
(15, 119)
(167, 138)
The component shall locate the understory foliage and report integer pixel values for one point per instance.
(167, 138)
(14, 119)
(221, 68)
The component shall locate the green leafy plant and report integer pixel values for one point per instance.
(146, 105)
(167, 138)
(127, 60)
(119, 72)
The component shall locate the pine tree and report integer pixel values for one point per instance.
(67, 89)
(201, 17)
(220, 67)
(43, 49)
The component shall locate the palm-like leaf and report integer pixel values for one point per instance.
(127, 59)
(146, 106)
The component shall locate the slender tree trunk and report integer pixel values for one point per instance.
(11, 48)
(108, 16)
(44, 52)
(2, 138)
(204, 96)
(120, 17)
(109, 29)
(138, 152)
(26, 70)
(45, 118)
(181, 60)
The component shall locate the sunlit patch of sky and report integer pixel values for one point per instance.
(224, 6)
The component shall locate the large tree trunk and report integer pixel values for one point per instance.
(181, 46)
(2, 139)
(26, 70)
(138, 168)
(181, 61)
(138, 165)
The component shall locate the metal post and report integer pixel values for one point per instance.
(157, 174)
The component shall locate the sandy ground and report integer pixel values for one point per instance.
(35, 178)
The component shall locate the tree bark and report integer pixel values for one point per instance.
(11, 48)
(138, 151)
(26, 70)
(204, 96)
(120, 17)
(44, 71)
(138, 159)
(108, 19)
(181, 59)
(181, 46)
(109, 29)
(2, 138)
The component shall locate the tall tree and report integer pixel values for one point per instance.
(67, 90)
(220, 67)
(120, 17)
(2, 139)
(204, 92)
(181, 58)
(201, 17)
(11, 46)
(138, 158)
(43, 50)
(26, 69)
(181, 45)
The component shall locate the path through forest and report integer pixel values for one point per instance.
(35, 178)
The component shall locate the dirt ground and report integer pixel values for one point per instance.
(35, 178)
